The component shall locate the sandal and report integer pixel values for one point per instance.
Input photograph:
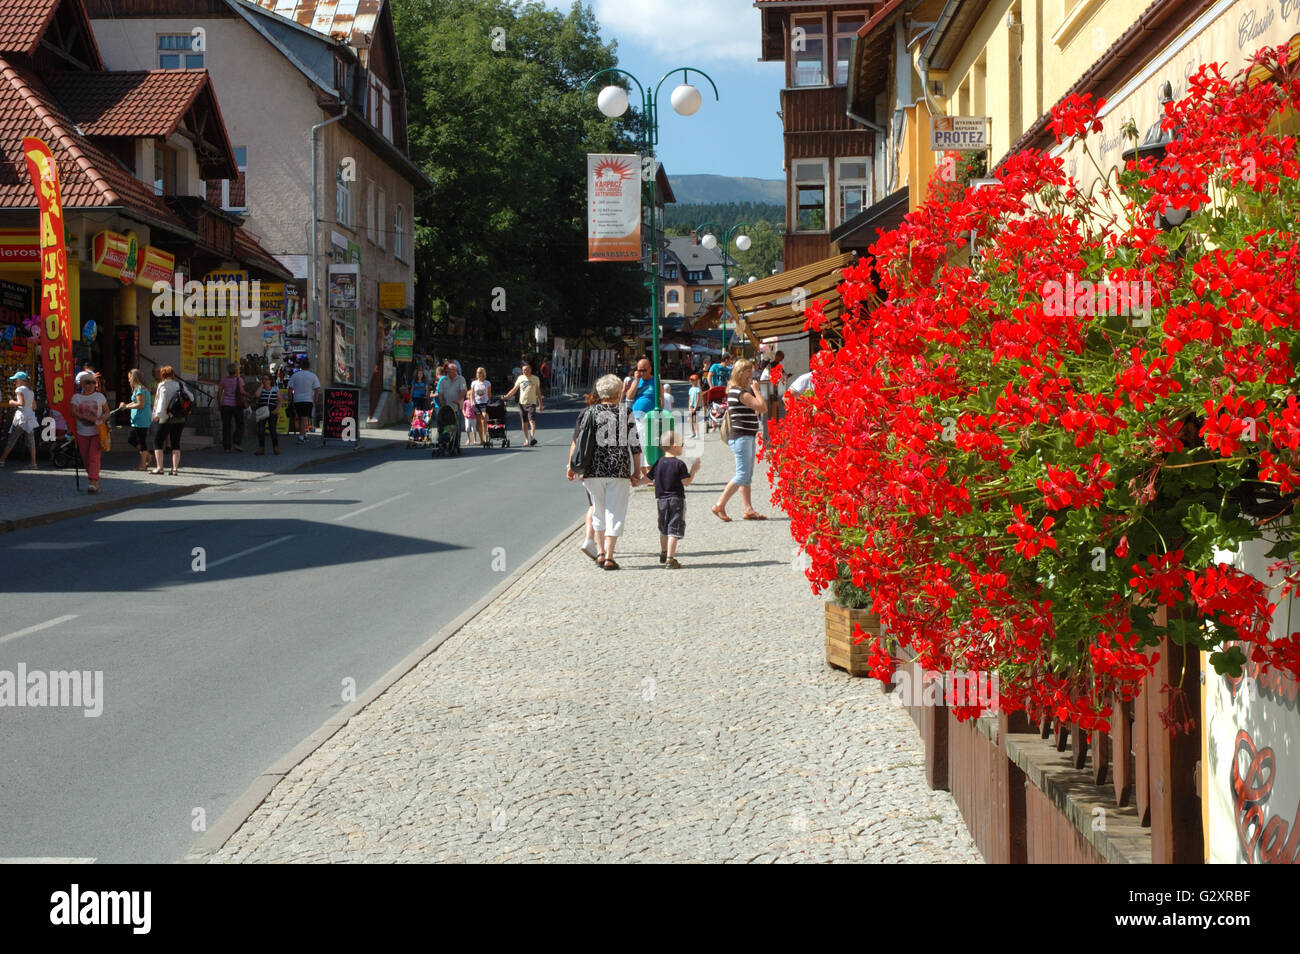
(721, 515)
(158, 471)
(611, 565)
(755, 516)
(176, 473)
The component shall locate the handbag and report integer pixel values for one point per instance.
(584, 448)
(105, 439)
(261, 414)
(725, 429)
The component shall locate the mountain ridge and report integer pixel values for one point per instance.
(711, 189)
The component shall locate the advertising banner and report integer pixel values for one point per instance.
(392, 295)
(56, 311)
(959, 133)
(345, 286)
(613, 208)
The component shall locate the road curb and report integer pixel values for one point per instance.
(234, 817)
(8, 526)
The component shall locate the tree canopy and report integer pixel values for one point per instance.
(498, 123)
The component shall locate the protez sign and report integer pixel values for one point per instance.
(962, 133)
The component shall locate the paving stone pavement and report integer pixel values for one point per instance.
(638, 715)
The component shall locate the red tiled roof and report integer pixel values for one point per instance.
(23, 22)
(90, 178)
(146, 103)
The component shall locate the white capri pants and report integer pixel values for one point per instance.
(609, 499)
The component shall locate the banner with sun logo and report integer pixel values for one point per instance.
(613, 208)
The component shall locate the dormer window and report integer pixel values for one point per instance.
(808, 52)
(380, 107)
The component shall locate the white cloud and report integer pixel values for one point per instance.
(689, 30)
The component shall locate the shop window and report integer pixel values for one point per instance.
(846, 26)
(853, 181)
(808, 52)
(342, 200)
(810, 196)
(399, 234)
(176, 52)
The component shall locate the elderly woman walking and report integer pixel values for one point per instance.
(616, 466)
(744, 404)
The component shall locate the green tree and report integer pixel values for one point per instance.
(503, 134)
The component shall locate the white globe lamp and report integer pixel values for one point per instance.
(686, 99)
(743, 242)
(709, 241)
(612, 101)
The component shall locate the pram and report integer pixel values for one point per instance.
(496, 423)
(418, 435)
(715, 405)
(447, 441)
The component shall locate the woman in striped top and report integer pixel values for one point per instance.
(744, 404)
(267, 396)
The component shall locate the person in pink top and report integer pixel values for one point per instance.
(233, 399)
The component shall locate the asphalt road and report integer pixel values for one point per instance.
(311, 580)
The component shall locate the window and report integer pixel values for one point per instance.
(399, 234)
(381, 107)
(165, 173)
(808, 52)
(382, 219)
(673, 296)
(231, 194)
(342, 200)
(176, 51)
(699, 296)
(694, 276)
(810, 196)
(853, 181)
(846, 27)
(670, 271)
(370, 210)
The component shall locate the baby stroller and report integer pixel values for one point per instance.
(715, 405)
(447, 441)
(496, 422)
(418, 435)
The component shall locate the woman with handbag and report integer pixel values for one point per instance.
(740, 431)
(89, 407)
(266, 403)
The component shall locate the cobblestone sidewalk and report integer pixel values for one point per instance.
(638, 715)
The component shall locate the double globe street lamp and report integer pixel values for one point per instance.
(710, 241)
(686, 100)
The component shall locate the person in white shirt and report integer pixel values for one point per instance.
(24, 422)
(799, 385)
(306, 389)
(668, 397)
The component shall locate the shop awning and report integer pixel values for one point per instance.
(771, 308)
(862, 231)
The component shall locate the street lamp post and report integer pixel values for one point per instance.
(613, 102)
(710, 241)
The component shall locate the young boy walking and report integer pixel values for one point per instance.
(671, 478)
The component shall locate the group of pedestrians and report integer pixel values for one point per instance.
(616, 466)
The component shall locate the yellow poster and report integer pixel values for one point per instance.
(212, 337)
(189, 357)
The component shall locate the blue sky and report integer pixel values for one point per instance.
(740, 134)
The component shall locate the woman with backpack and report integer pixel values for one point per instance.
(170, 420)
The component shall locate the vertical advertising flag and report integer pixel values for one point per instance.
(613, 208)
(56, 312)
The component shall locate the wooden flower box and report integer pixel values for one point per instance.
(841, 651)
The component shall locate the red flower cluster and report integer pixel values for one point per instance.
(1024, 486)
